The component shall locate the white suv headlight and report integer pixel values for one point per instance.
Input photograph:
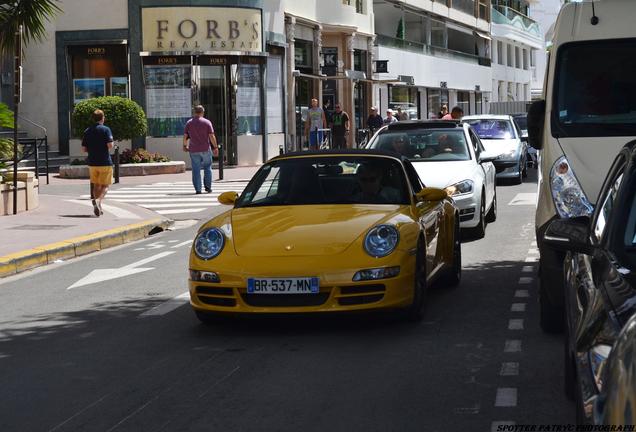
(567, 194)
(461, 188)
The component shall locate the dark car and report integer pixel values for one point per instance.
(616, 404)
(521, 121)
(600, 280)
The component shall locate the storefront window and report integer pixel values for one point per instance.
(463, 101)
(275, 94)
(248, 99)
(436, 98)
(168, 82)
(303, 55)
(404, 97)
(98, 70)
(478, 103)
(360, 60)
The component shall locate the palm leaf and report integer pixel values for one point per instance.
(31, 14)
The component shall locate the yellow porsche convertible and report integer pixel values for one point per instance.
(345, 230)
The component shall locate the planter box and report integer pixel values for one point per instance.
(28, 192)
(141, 169)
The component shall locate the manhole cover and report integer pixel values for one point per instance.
(40, 227)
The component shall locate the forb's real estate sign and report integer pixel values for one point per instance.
(201, 29)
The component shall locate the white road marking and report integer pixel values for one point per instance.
(529, 198)
(102, 275)
(177, 205)
(496, 425)
(187, 242)
(172, 241)
(512, 345)
(518, 307)
(506, 397)
(522, 293)
(525, 280)
(533, 251)
(200, 201)
(509, 369)
(534, 243)
(116, 211)
(515, 324)
(168, 306)
(181, 211)
(527, 269)
(532, 259)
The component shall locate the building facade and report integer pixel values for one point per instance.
(436, 53)
(517, 42)
(545, 13)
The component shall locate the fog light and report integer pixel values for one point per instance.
(378, 273)
(203, 276)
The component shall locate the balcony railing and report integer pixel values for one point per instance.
(421, 48)
(509, 16)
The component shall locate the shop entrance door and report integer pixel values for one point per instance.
(212, 93)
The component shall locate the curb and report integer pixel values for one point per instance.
(77, 246)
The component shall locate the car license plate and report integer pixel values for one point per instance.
(308, 285)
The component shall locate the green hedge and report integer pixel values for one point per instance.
(125, 118)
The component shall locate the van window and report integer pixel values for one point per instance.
(595, 89)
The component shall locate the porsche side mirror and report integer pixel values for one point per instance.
(536, 123)
(431, 194)
(228, 198)
(570, 235)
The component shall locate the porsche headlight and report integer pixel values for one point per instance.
(567, 194)
(461, 188)
(209, 243)
(381, 240)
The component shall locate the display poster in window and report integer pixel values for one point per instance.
(248, 100)
(274, 94)
(168, 99)
(88, 88)
(119, 86)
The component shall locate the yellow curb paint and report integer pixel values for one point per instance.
(36, 259)
(77, 246)
(86, 246)
(7, 268)
(111, 240)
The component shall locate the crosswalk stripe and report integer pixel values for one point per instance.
(180, 211)
(172, 198)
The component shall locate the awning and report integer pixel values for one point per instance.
(482, 35)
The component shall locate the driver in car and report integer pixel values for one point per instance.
(448, 143)
(371, 189)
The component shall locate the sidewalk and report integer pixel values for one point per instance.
(64, 226)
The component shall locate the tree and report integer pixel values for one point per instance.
(400, 30)
(124, 117)
(32, 15)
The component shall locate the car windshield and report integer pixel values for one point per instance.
(596, 98)
(522, 122)
(327, 180)
(490, 129)
(434, 145)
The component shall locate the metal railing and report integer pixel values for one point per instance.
(431, 50)
(509, 16)
(31, 148)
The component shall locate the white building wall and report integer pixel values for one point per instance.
(429, 71)
(545, 12)
(333, 12)
(39, 94)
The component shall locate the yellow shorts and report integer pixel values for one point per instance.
(101, 175)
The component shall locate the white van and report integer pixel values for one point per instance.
(587, 115)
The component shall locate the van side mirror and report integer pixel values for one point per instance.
(571, 235)
(536, 123)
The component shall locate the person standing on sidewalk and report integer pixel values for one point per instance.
(197, 138)
(315, 122)
(339, 128)
(97, 142)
